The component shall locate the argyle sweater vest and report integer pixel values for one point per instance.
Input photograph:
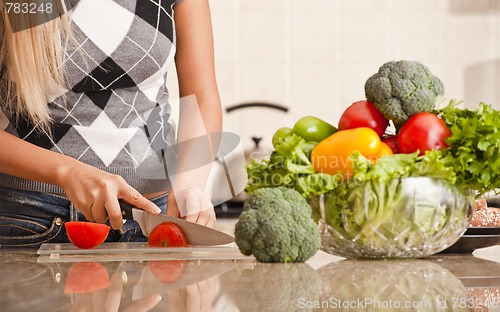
(115, 73)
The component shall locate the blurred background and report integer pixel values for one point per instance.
(313, 57)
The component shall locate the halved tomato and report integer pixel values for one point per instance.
(86, 235)
(84, 277)
(167, 234)
(167, 271)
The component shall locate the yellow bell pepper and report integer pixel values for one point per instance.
(332, 154)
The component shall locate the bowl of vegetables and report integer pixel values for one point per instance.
(399, 175)
(409, 217)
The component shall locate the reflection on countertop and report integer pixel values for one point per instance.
(445, 282)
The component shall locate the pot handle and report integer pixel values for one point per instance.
(257, 104)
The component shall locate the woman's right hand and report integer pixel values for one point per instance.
(96, 193)
(93, 191)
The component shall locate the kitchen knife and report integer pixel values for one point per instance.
(196, 234)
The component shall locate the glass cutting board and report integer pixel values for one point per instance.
(133, 251)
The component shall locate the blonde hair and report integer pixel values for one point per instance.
(30, 63)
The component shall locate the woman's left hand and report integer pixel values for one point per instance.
(197, 297)
(193, 205)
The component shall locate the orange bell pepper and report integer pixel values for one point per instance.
(385, 149)
(332, 154)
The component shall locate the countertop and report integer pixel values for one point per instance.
(444, 282)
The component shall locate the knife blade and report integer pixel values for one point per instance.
(196, 234)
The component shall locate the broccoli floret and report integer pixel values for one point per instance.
(401, 89)
(276, 226)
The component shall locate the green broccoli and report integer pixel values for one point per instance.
(276, 226)
(401, 89)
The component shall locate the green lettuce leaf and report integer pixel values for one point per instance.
(289, 166)
(365, 208)
(474, 146)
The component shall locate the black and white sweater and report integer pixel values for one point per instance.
(115, 88)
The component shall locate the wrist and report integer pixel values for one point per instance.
(63, 170)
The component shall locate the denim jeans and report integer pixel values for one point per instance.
(29, 219)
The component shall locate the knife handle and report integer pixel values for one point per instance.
(126, 210)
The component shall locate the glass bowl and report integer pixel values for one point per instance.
(390, 285)
(411, 217)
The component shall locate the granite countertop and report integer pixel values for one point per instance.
(444, 282)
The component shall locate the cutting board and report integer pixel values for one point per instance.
(135, 251)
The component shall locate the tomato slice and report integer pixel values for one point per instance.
(84, 277)
(167, 271)
(167, 234)
(85, 234)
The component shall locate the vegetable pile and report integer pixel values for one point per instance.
(396, 132)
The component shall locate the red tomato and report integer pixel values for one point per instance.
(167, 234)
(84, 277)
(86, 235)
(167, 271)
(423, 132)
(392, 141)
(363, 114)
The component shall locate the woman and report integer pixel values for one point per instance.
(101, 68)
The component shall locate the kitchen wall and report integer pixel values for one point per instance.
(314, 56)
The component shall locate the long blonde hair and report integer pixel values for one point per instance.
(30, 61)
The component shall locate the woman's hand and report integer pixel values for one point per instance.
(95, 193)
(198, 297)
(193, 205)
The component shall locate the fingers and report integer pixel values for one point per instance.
(98, 209)
(131, 196)
(207, 289)
(113, 211)
(199, 297)
(172, 208)
(211, 219)
(193, 298)
(208, 215)
(195, 204)
(145, 304)
(201, 210)
(115, 290)
(105, 206)
(96, 195)
(87, 213)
